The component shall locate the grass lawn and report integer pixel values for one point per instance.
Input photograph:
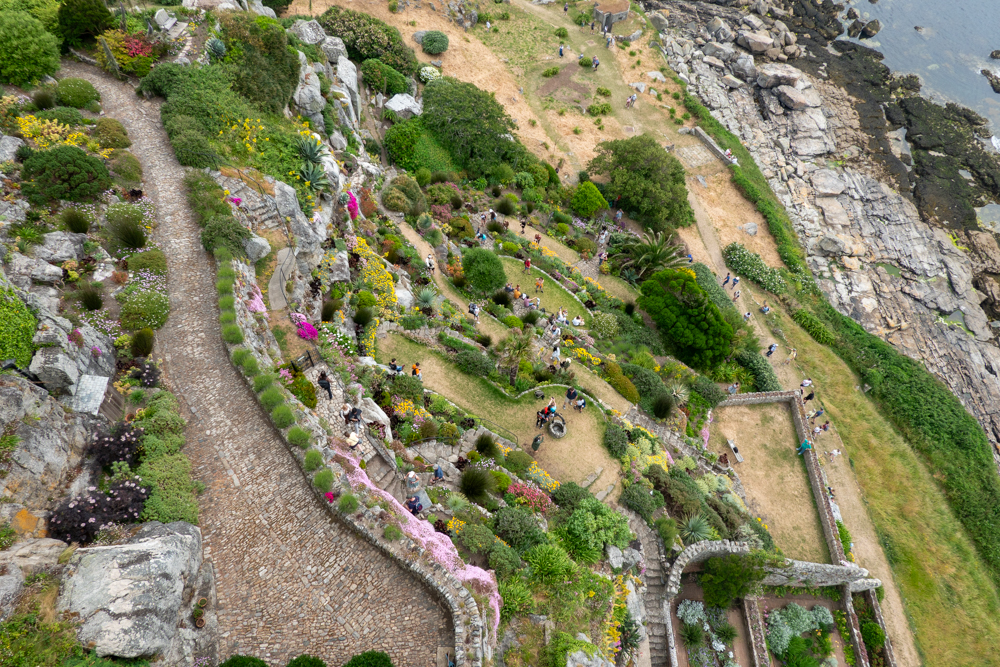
(554, 295)
(617, 287)
(774, 477)
(569, 459)
(950, 599)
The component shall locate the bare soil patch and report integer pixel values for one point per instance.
(728, 210)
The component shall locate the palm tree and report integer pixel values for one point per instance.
(516, 348)
(653, 252)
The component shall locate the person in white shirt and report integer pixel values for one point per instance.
(577, 321)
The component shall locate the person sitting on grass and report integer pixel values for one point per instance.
(580, 405)
(578, 321)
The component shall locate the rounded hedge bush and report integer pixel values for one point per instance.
(299, 437)
(27, 51)
(271, 398)
(435, 42)
(65, 115)
(232, 334)
(63, 173)
(348, 504)
(243, 661)
(306, 661)
(77, 93)
(142, 342)
(483, 270)
(313, 460)
(110, 133)
(282, 416)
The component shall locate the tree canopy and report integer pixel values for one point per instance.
(588, 200)
(649, 180)
(471, 125)
(691, 325)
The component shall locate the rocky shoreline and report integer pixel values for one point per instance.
(886, 230)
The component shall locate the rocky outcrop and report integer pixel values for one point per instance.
(310, 32)
(8, 147)
(347, 72)
(333, 48)
(308, 97)
(35, 555)
(135, 599)
(59, 247)
(51, 442)
(404, 106)
(873, 256)
(11, 585)
(60, 363)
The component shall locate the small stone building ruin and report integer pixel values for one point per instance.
(610, 12)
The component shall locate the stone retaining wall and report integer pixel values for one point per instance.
(756, 632)
(808, 575)
(872, 599)
(712, 146)
(854, 630)
(473, 639)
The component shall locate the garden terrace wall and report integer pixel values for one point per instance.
(756, 632)
(802, 574)
(872, 599)
(696, 553)
(473, 640)
(854, 630)
(823, 506)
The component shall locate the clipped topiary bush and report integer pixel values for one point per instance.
(483, 270)
(282, 416)
(313, 460)
(110, 133)
(27, 51)
(434, 42)
(63, 173)
(77, 93)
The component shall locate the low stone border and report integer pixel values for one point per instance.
(756, 632)
(473, 639)
(854, 630)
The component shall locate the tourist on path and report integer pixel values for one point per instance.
(592, 24)
(806, 383)
(413, 504)
(566, 7)
(746, 317)
(771, 349)
(594, 62)
(560, 50)
(817, 413)
(352, 441)
(527, 265)
(324, 383)
(430, 262)
(571, 395)
(537, 441)
(554, 357)
(791, 356)
(810, 397)
(736, 281)
(736, 296)
(524, 223)
(726, 281)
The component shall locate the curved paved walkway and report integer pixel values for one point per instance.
(290, 578)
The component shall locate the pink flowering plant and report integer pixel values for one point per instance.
(307, 331)
(352, 205)
(256, 303)
(531, 497)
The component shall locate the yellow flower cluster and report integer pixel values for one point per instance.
(542, 249)
(689, 272)
(657, 459)
(48, 133)
(503, 448)
(590, 281)
(582, 355)
(246, 131)
(368, 340)
(455, 524)
(542, 478)
(378, 278)
(406, 409)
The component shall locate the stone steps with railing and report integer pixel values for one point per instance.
(654, 597)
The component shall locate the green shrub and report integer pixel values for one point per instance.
(764, 377)
(142, 342)
(140, 310)
(517, 527)
(483, 270)
(151, 260)
(282, 416)
(621, 383)
(518, 461)
(502, 480)
(599, 109)
(873, 635)
(232, 334)
(77, 93)
(243, 661)
(568, 496)
(392, 532)
(367, 37)
(79, 19)
(711, 392)
(323, 480)
(476, 484)
(63, 173)
(370, 659)
(504, 560)
(226, 232)
(313, 460)
(75, 220)
(263, 381)
(434, 42)
(271, 398)
(190, 146)
(110, 133)
(813, 326)
(65, 115)
(616, 440)
(474, 363)
(348, 503)
(126, 166)
(562, 33)
(641, 500)
(751, 266)
(667, 530)
(240, 355)
(513, 321)
(306, 661)
(299, 436)
(591, 526)
(550, 72)
(250, 367)
(173, 494)
(259, 63)
(27, 51)
(729, 578)
(380, 77)
(550, 564)
(588, 199)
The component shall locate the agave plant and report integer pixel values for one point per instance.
(309, 149)
(314, 175)
(216, 49)
(424, 222)
(425, 300)
(679, 391)
(629, 276)
(695, 529)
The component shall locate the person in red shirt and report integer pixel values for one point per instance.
(527, 265)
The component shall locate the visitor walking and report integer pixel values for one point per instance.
(352, 417)
(539, 285)
(810, 397)
(817, 413)
(527, 265)
(474, 311)
(734, 388)
(771, 349)
(736, 281)
(429, 262)
(566, 8)
(726, 281)
(746, 317)
(415, 371)
(537, 441)
(618, 217)
(524, 223)
(791, 356)
(554, 357)
(324, 383)
(594, 62)
(736, 296)
(571, 395)
(608, 45)
(352, 441)
(560, 50)
(592, 24)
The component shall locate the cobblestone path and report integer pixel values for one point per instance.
(290, 578)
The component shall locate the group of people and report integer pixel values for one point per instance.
(397, 369)
(630, 100)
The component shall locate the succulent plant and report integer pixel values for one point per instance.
(314, 176)
(309, 149)
(216, 48)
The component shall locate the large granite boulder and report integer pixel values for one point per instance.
(755, 42)
(60, 247)
(310, 32)
(11, 585)
(404, 106)
(34, 555)
(347, 72)
(744, 68)
(258, 8)
(372, 413)
(8, 147)
(772, 75)
(51, 442)
(334, 49)
(256, 248)
(26, 270)
(129, 598)
(59, 362)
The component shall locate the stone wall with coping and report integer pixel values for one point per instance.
(808, 575)
(696, 553)
(854, 630)
(473, 640)
(872, 599)
(756, 632)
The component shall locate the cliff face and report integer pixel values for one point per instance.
(873, 256)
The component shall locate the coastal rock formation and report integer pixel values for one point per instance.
(872, 254)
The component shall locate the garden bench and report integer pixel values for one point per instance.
(736, 451)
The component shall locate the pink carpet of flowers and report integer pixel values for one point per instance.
(307, 331)
(530, 496)
(256, 304)
(352, 205)
(438, 545)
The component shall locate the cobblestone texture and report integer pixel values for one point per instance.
(290, 579)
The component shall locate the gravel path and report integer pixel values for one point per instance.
(290, 578)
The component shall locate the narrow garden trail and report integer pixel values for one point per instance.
(290, 579)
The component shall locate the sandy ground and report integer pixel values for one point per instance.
(773, 476)
(728, 210)
(569, 459)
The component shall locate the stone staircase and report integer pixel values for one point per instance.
(655, 596)
(257, 211)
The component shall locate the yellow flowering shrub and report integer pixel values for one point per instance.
(49, 133)
(377, 277)
(590, 281)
